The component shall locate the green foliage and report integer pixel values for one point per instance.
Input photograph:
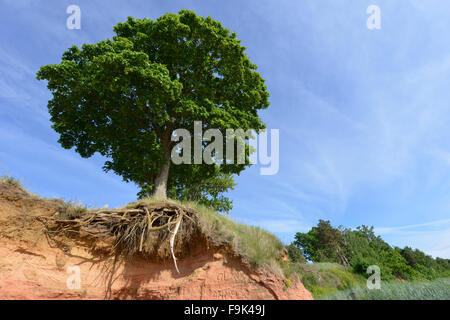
(353, 251)
(425, 265)
(203, 190)
(360, 264)
(359, 248)
(124, 97)
(295, 253)
(322, 243)
(364, 248)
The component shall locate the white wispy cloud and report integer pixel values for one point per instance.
(431, 237)
(387, 230)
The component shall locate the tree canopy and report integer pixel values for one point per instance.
(123, 98)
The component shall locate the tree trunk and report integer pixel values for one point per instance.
(161, 181)
(161, 178)
(163, 175)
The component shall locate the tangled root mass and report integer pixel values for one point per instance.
(144, 229)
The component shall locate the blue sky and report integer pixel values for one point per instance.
(363, 114)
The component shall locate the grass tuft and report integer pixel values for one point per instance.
(71, 210)
(11, 181)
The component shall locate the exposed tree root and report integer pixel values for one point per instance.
(172, 239)
(142, 229)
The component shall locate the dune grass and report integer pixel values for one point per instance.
(438, 289)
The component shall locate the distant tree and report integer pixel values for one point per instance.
(124, 97)
(295, 253)
(307, 243)
(409, 255)
(322, 243)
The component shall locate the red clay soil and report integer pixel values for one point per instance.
(30, 268)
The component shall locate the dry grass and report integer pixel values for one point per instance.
(11, 181)
(71, 210)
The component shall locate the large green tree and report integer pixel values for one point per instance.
(124, 97)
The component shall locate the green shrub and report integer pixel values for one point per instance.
(360, 264)
(295, 253)
(323, 279)
(310, 280)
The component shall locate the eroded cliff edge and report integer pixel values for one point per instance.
(33, 267)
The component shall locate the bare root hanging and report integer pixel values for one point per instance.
(172, 240)
(142, 229)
